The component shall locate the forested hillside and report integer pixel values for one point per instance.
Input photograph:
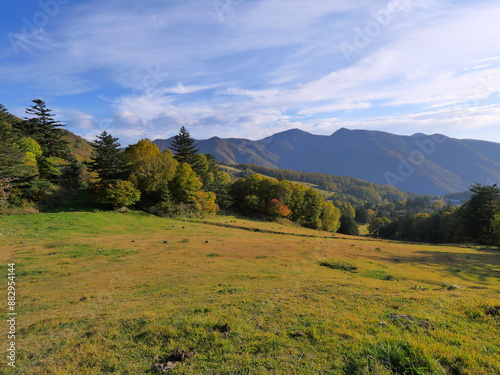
(343, 188)
(422, 164)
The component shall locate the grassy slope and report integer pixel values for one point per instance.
(91, 301)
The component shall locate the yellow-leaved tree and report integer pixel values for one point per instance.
(185, 184)
(151, 169)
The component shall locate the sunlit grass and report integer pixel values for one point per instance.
(117, 293)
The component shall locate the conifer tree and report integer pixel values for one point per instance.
(478, 213)
(46, 131)
(184, 148)
(107, 160)
(12, 167)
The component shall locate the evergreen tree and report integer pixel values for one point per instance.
(12, 167)
(46, 131)
(478, 213)
(362, 215)
(348, 225)
(56, 153)
(108, 160)
(184, 148)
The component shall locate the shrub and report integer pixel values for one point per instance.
(117, 193)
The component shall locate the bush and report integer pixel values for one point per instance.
(117, 193)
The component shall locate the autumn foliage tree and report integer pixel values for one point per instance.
(273, 198)
(275, 208)
(185, 184)
(151, 170)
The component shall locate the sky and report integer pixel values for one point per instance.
(252, 68)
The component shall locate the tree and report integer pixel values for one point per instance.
(107, 160)
(42, 127)
(478, 213)
(12, 164)
(46, 131)
(362, 215)
(185, 184)
(118, 193)
(205, 201)
(275, 208)
(330, 217)
(184, 148)
(496, 226)
(377, 225)
(151, 169)
(348, 225)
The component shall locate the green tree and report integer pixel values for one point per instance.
(42, 127)
(348, 225)
(118, 193)
(496, 226)
(218, 182)
(376, 226)
(13, 169)
(478, 213)
(330, 217)
(185, 184)
(184, 148)
(362, 215)
(107, 160)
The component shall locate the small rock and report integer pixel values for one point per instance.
(165, 241)
(207, 241)
(133, 240)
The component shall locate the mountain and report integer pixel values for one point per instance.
(423, 164)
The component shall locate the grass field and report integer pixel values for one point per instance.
(110, 293)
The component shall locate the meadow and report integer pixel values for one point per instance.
(113, 293)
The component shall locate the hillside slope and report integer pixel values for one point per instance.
(423, 164)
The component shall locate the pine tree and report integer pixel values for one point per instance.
(56, 154)
(184, 148)
(108, 160)
(478, 213)
(46, 131)
(12, 167)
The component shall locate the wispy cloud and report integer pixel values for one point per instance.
(250, 68)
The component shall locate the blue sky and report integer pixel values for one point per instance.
(251, 68)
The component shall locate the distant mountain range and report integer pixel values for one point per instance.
(423, 164)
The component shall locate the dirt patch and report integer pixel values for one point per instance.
(178, 356)
(409, 321)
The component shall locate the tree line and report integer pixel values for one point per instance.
(36, 162)
(477, 220)
(349, 189)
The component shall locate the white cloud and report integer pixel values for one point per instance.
(248, 68)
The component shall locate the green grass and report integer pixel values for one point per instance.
(101, 293)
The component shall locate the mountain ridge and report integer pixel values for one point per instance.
(420, 163)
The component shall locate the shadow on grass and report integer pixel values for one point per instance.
(77, 201)
(478, 265)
